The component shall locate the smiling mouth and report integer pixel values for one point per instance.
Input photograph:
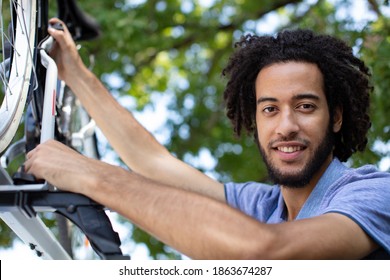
(290, 149)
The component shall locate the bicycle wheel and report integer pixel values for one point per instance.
(18, 22)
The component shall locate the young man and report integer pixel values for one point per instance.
(305, 99)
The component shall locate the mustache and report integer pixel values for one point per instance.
(282, 139)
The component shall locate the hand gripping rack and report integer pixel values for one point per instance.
(19, 204)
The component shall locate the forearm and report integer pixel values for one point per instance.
(203, 228)
(137, 147)
(197, 226)
(134, 144)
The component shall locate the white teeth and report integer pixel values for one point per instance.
(289, 149)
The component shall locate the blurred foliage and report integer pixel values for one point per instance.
(178, 48)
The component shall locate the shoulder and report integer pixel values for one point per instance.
(354, 181)
(363, 183)
(363, 195)
(367, 172)
(361, 188)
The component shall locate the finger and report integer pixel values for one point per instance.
(30, 154)
(28, 165)
(59, 34)
(57, 22)
(56, 33)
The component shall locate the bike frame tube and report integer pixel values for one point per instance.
(49, 103)
(30, 228)
(35, 233)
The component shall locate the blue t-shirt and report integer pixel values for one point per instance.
(362, 194)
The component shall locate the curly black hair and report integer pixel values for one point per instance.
(346, 81)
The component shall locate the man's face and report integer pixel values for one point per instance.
(293, 123)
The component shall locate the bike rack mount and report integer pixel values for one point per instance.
(19, 205)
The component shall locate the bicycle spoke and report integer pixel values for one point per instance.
(30, 50)
(18, 36)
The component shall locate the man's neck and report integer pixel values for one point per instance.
(295, 198)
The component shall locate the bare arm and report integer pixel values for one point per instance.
(196, 225)
(136, 146)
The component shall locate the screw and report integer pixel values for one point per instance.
(32, 246)
(71, 208)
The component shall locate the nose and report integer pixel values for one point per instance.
(287, 124)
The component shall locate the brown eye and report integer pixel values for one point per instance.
(269, 109)
(306, 107)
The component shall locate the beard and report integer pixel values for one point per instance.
(301, 178)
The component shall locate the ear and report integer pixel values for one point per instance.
(337, 119)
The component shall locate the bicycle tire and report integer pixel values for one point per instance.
(17, 63)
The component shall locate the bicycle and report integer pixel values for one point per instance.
(29, 78)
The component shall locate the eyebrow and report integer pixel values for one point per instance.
(295, 97)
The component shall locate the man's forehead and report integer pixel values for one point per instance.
(295, 79)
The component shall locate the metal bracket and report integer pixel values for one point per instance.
(20, 204)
